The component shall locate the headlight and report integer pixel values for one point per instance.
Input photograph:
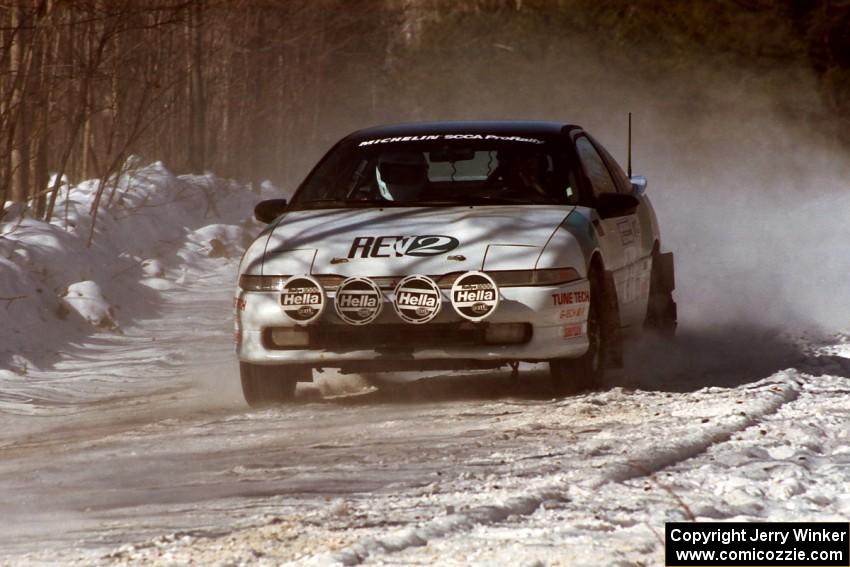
(275, 283)
(503, 278)
(262, 283)
(516, 278)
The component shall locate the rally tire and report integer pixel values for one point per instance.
(573, 375)
(264, 386)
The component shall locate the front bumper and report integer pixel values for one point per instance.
(557, 325)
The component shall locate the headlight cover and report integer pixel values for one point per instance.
(261, 283)
(523, 278)
(503, 278)
(275, 283)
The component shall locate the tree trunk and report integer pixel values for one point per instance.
(42, 95)
(19, 158)
(257, 109)
(197, 102)
(81, 113)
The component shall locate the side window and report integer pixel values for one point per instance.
(571, 188)
(594, 167)
(620, 177)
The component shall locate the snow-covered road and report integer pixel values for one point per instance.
(157, 460)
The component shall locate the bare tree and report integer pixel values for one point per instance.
(197, 101)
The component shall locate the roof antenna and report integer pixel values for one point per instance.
(630, 146)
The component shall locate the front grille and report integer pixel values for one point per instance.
(397, 337)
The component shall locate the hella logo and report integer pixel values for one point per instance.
(302, 299)
(417, 299)
(475, 296)
(358, 301)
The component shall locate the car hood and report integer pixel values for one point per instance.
(401, 241)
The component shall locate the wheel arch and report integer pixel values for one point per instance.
(596, 262)
(613, 356)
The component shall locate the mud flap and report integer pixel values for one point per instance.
(668, 276)
(612, 357)
(661, 309)
(668, 280)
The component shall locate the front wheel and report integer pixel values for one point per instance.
(264, 386)
(573, 375)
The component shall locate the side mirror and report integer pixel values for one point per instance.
(267, 211)
(638, 184)
(611, 205)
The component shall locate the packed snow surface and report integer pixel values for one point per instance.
(124, 439)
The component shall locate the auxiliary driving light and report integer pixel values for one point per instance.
(302, 299)
(507, 333)
(358, 301)
(417, 299)
(474, 296)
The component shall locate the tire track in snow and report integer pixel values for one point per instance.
(779, 389)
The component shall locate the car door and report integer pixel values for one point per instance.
(620, 238)
(647, 229)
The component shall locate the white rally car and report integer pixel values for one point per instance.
(452, 245)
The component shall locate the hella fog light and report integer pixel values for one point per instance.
(290, 336)
(507, 333)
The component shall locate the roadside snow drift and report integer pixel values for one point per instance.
(54, 289)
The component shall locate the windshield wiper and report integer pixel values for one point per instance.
(346, 203)
(483, 200)
(491, 199)
(465, 202)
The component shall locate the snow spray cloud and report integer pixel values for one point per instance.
(750, 188)
(751, 202)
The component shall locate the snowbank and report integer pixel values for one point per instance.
(152, 229)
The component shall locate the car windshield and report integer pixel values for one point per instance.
(440, 170)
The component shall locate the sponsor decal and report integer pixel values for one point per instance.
(572, 312)
(571, 331)
(358, 301)
(398, 246)
(629, 231)
(631, 288)
(570, 297)
(432, 137)
(494, 137)
(417, 299)
(302, 299)
(475, 296)
(396, 139)
(627, 235)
